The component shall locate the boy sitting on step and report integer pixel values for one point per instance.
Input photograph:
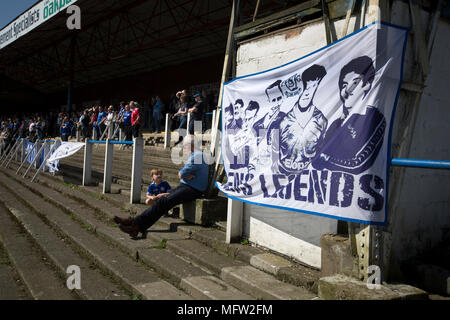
(158, 189)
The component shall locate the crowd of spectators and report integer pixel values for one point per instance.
(92, 122)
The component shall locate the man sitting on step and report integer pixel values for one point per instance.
(194, 182)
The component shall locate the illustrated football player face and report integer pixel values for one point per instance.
(308, 93)
(353, 89)
(229, 114)
(237, 110)
(249, 117)
(275, 98)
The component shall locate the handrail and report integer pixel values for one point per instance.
(111, 142)
(418, 163)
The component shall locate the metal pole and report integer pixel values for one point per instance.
(226, 66)
(215, 126)
(8, 152)
(256, 10)
(14, 154)
(10, 155)
(167, 133)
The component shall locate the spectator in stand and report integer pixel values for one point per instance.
(23, 129)
(121, 109)
(119, 116)
(38, 128)
(73, 124)
(65, 129)
(5, 138)
(181, 114)
(158, 108)
(135, 119)
(158, 189)
(94, 123)
(16, 126)
(31, 131)
(59, 122)
(196, 112)
(126, 120)
(109, 120)
(85, 124)
(173, 108)
(101, 118)
(194, 182)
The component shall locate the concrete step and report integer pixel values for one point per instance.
(281, 268)
(214, 238)
(126, 160)
(94, 285)
(167, 264)
(131, 275)
(11, 286)
(340, 287)
(122, 177)
(42, 282)
(262, 285)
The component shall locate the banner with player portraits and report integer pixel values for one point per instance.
(313, 135)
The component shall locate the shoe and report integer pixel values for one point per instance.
(132, 230)
(126, 222)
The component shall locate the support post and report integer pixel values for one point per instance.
(235, 213)
(136, 174)
(87, 167)
(9, 152)
(188, 122)
(107, 176)
(213, 128)
(167, 133)
(12, 153)
(226, 67)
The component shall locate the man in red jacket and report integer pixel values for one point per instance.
(135, 119)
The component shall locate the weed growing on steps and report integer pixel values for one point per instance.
(5, 262)
(162, 245)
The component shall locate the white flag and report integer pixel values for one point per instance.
(66, 149)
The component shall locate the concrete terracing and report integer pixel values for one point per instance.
(55, 222)
(68, 224)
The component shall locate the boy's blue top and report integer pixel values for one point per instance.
(197, 166)
(127, 118)
(155, 189)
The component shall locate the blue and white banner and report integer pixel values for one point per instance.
(313, 135)
(29, 146)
